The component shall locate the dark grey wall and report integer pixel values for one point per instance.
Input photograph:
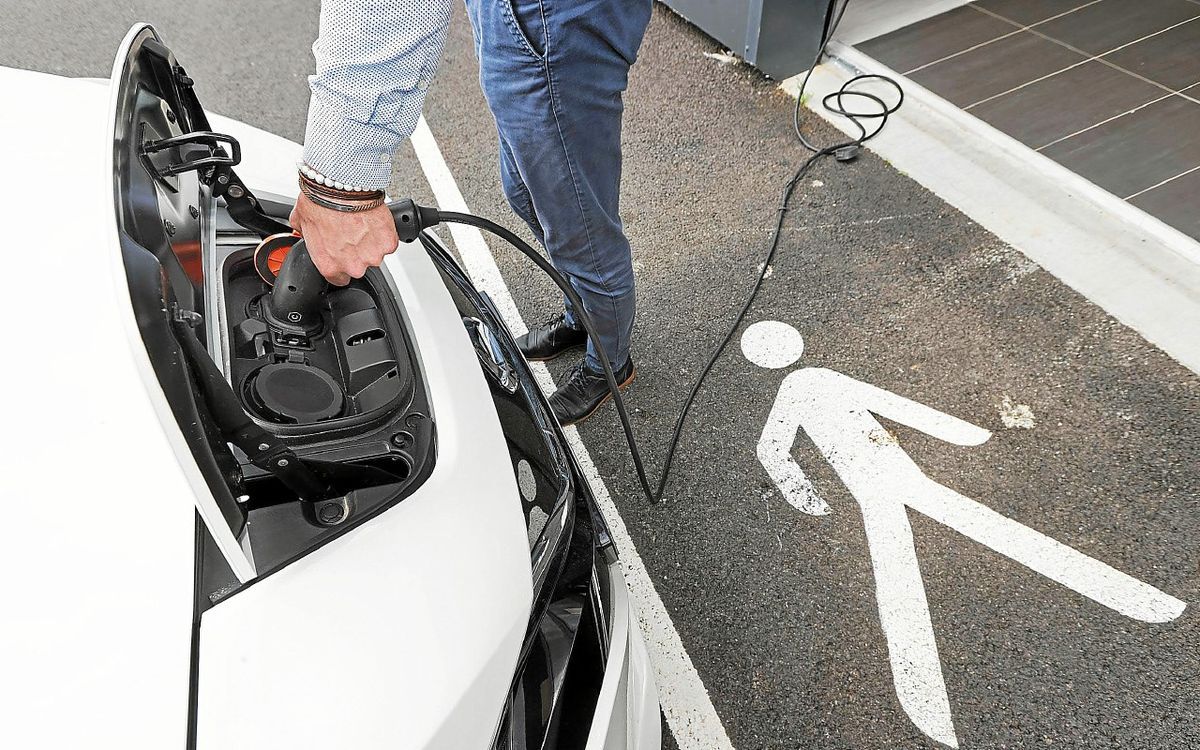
(779, 37)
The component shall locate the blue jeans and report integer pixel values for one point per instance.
(553, 72)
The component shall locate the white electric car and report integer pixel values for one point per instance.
(453, 586)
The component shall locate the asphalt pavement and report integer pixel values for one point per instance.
(1095, 439)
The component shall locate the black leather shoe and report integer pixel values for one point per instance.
(585, 391)
(551, 339)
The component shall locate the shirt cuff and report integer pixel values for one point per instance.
(348, 150)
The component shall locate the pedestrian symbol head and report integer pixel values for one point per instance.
(772, 344)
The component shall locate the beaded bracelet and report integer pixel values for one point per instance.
(321, 179)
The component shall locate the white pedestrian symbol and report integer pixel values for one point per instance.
(836, 412)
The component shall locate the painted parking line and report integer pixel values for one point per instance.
(685, 701)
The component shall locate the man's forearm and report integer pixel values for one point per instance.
(375, 59)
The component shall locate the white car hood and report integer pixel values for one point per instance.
(403, 632)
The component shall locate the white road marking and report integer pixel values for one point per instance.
(725, 58)
(685, 701)
(772, 344)
(1016, 416)
(837, 414)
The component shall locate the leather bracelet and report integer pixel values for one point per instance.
(353, 207)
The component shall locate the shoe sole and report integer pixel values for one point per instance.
(605, 400)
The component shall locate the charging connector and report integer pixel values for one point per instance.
(848, 153)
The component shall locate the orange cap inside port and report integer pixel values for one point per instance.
(269, 255)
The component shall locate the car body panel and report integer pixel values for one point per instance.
(106, 179)
(627, 713)
(403, 632)
(100, 560)
(437, 587)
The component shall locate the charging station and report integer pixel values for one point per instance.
(779, 37)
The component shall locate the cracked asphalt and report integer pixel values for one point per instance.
(888, 285)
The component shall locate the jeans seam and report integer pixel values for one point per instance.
(527, 202)
(579, 197)
(523, 194)
(545, 30)
(562, 139)
(526, 197)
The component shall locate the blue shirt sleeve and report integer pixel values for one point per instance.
(375, 60)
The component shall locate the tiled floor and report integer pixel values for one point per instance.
(1107, 88)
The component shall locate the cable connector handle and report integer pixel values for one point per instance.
(299, 288)
(847, 153)
(411, 218)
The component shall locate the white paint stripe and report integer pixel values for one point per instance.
(1102, 122)
(1183, 93)
(1184, 173)
(685, 701)
(1020, 27)
(1090, 58)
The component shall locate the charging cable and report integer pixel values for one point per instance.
(836, 102)
(411, 219)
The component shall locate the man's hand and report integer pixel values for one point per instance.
(344, 245)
